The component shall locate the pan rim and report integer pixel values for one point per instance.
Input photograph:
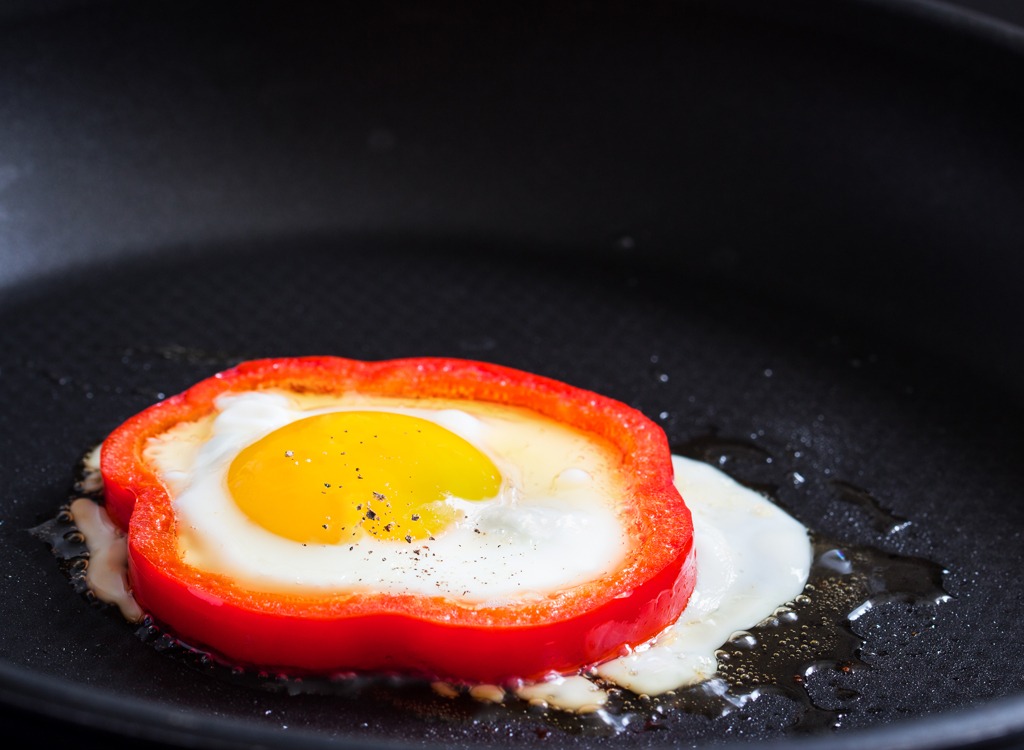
(999, 721)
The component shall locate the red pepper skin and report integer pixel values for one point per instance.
(437, 637)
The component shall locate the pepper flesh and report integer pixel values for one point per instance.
(434, 636)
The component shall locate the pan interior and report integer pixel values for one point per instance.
(734, 375)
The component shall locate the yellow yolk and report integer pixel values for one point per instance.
(335, 477)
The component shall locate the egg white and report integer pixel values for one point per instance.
(556, 522)
(752, 557)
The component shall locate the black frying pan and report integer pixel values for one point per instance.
(808, 218)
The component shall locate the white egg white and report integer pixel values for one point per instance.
(752, 557)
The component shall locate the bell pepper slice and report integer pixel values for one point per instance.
(433, 636)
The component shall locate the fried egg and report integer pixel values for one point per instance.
(338, 511)
(753, 556)
(492, 503)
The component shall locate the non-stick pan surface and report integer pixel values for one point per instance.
(816, 273)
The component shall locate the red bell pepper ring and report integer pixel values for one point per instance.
(434, 636)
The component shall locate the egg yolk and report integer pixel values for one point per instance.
(336, 477)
